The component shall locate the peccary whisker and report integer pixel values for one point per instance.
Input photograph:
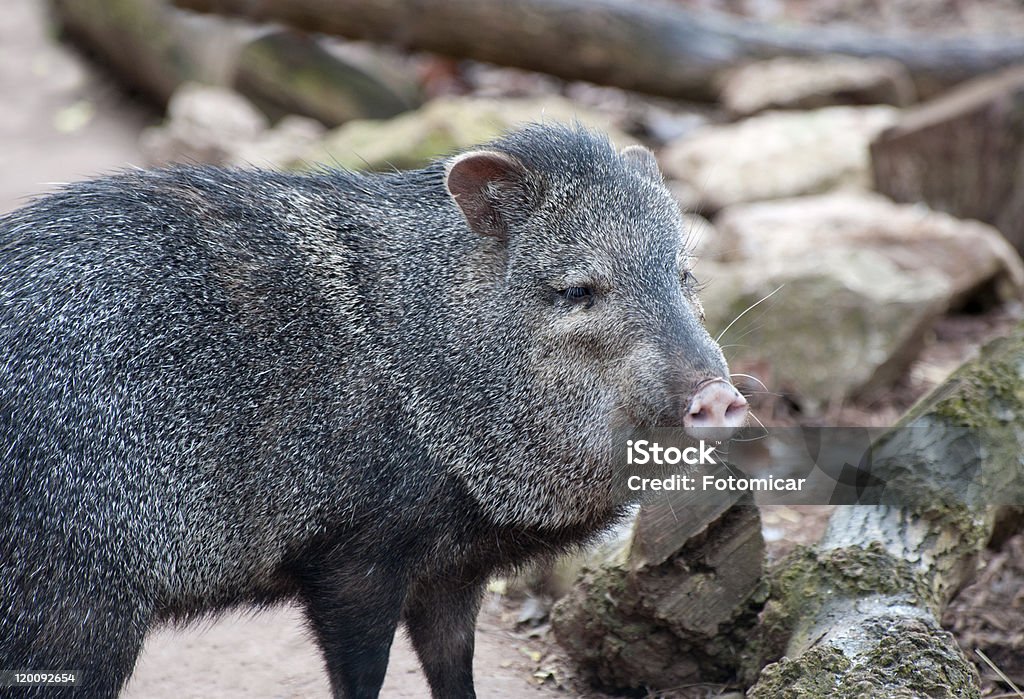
(747, 310)
(734, 345)
(760, 424)
(751, 377)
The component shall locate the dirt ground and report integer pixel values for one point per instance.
(60, 121)
(269, 655)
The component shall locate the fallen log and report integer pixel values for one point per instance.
(861, 608)
(144, 41)
(155, 48)
(855, 616)
(961, 153)
(288, 72)
(655, 47)
(676, 605)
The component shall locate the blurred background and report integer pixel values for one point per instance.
(852, 172)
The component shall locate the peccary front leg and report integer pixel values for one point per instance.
(56, 638)
(354, 616)
(440, 616)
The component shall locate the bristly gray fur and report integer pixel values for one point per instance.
(235, 387)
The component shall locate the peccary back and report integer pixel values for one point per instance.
(363, 392)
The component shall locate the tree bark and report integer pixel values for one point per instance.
(650, 46)
(861, 609)
(962, 153)
(676, 606)
(288, 72)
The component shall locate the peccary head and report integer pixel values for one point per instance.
(579, 316)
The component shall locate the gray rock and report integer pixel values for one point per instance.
(205, 124)
(972, 256)
(811, 83)
(778, 154)
(218, 126)
(278, 147)
(835, 324)
(862, 280)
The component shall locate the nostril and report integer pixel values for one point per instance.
(737, 407)
(715, 410)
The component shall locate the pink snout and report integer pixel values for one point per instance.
(715, 412)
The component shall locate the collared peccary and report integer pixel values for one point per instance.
(366, 393)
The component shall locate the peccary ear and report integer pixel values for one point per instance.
(643, 161)
(488, 185)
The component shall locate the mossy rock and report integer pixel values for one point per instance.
(443, 126)
(835, 325)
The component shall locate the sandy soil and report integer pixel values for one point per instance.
(59, 119)
(270, 655)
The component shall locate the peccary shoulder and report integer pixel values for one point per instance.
(366, 393)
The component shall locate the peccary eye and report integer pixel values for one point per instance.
(689, 280)
(579, 295)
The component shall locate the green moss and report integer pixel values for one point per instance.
(926, 462)
(958, 451)
(985, 394)
(805, 579)
(908, 659)
(815, 674)
(915, 659)
(809, 575)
